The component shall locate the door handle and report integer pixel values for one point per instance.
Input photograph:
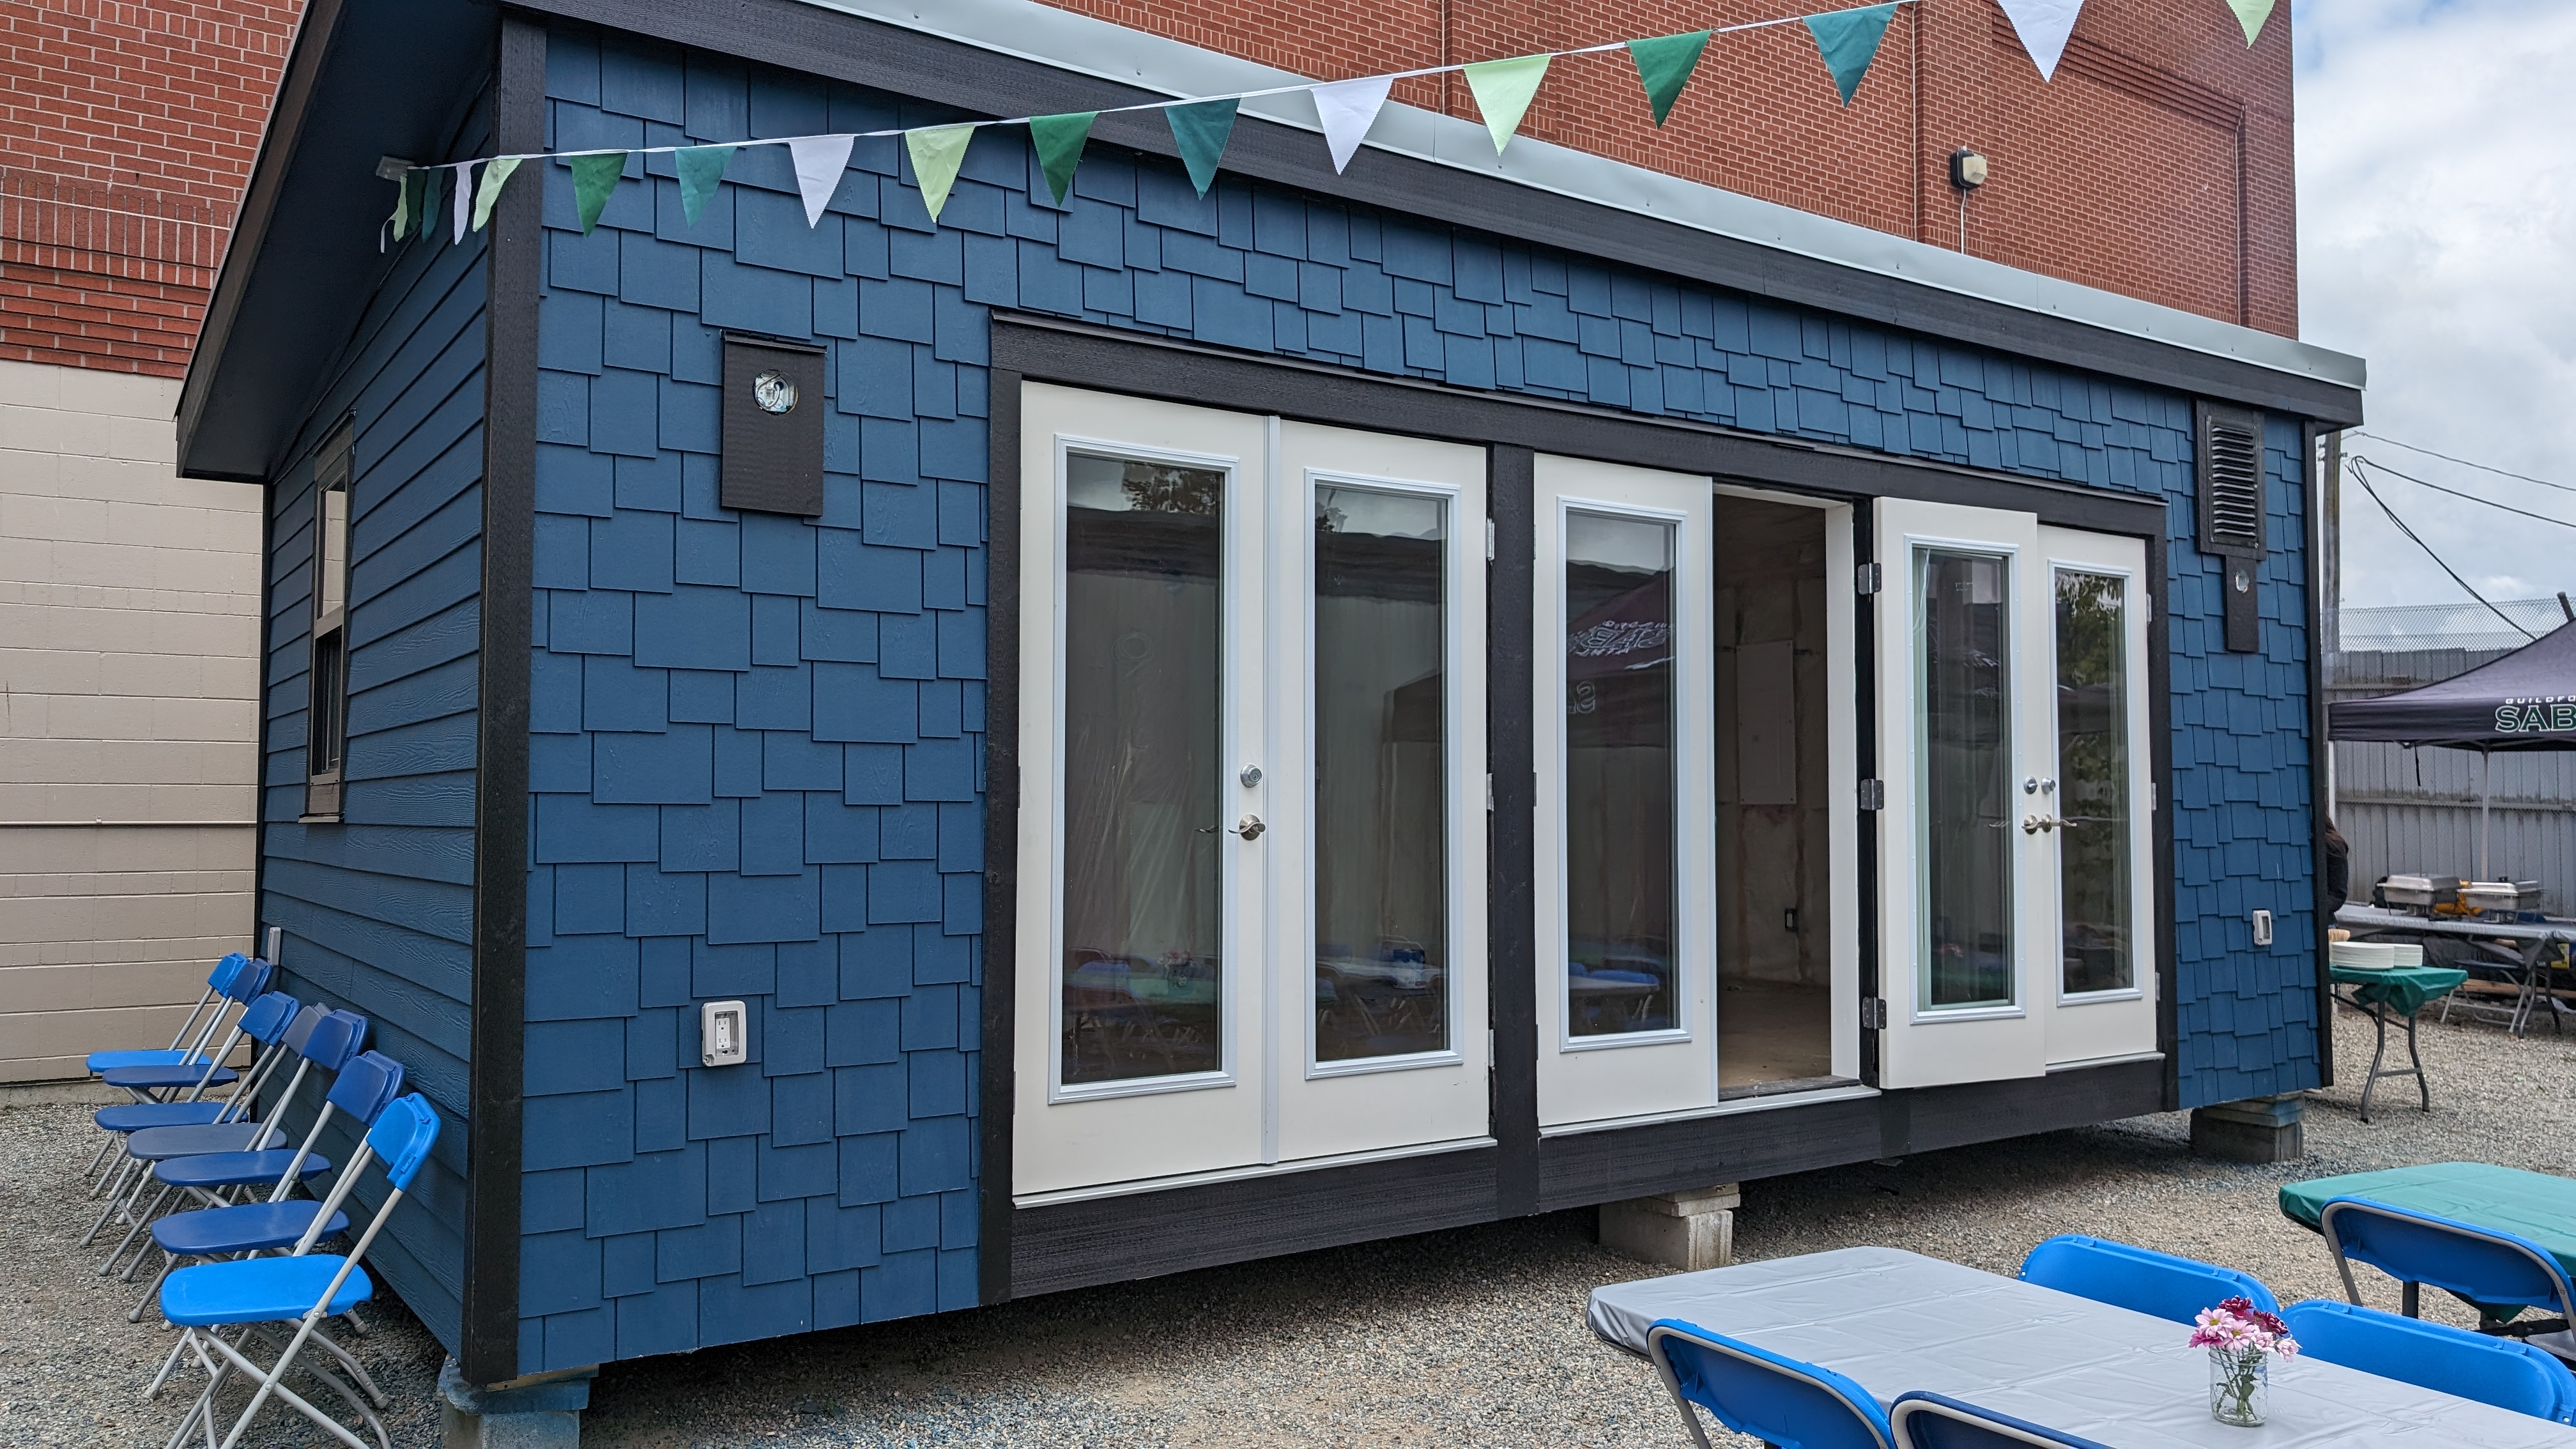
(2033, 824)
(1250, 827)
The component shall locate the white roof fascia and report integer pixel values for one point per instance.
(1043, 34)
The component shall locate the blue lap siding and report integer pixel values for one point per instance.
(377, 909)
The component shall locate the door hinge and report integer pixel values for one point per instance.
(1873, 1013)
(2152, 802)
(1489, 792)
(1873, 794)
(1865, 579)
(2147, 607)
(1489, 540)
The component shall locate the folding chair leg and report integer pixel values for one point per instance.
(115, 1199)
(100, 1184)
(271, 1382)
(139, 1221)
(152, 1290)
(100, 1156)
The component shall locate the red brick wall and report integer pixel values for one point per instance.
(126, 133)
(2157, 164)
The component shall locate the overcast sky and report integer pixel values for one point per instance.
(2437, 238)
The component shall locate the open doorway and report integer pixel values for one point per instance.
(1775, 918)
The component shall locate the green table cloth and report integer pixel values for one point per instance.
(2533, 1205)
(2402, 989)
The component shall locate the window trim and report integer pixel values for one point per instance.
(326, 716)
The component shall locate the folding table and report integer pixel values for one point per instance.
(2399, 991)
(2534, 1205)
(2525, 962)
(1897, 1321)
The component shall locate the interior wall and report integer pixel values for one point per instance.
(1772, 821)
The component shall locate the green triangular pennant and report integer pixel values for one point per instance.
(1665, 65)
(1503, 90)
(411, 206)
(936, 154)
(700, 168)
(1848, 40)
(2251, 14)
(593, 178)
(1059, 141)
(495, 174)
(1200, 129)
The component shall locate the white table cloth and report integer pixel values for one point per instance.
(1896, 1321)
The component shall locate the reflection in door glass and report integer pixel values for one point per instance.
(1381, 856)
(2093, 782)
(1962, 645)
(1142, 869)
(1619, 848)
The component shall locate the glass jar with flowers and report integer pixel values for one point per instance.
(2241, 1340)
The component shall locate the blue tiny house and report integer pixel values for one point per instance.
(1762, 710)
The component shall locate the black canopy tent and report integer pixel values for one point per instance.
(2523, 701)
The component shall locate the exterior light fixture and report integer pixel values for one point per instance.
(1967, 169)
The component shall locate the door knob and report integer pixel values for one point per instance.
(1250, 827)
(2033, 824)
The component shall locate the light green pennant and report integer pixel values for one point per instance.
(1848, 40)
(2251, 14)
(937, 152)
(1059, 141)
(495, 173)
(411, 203)
(1503, 90)
(1201, 129)
(1665, 65)
(593, 178)
(701, 168)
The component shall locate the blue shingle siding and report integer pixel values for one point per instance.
(378, 909)
(759, 739)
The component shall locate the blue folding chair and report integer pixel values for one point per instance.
(1754, 1391)
(2495, 1272)
(266, 1022)
(217, 981)
(318, 1037)
(1925, 1420)
(2140, 1279)
(2505, 1372)
(366, 1085)
(137, 1116)
(303, 1289)
(198, 1072)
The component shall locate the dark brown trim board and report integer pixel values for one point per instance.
(1116, 1238)
(999, 1084)
(489, 1352)
(2320, 749)
(1511, 659)
(816, 41)
(2160, 776)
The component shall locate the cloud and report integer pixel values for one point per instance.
(2437, 238)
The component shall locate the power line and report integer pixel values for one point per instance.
(2363, 478)
(2361, 460)
(2463, 462)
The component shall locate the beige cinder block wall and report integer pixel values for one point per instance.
(129, 634)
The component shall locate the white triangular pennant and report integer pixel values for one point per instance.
(2043, 26)
(820, 160)
(464, 200)
(1348, 108)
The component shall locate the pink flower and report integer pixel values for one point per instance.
(2237, 1326)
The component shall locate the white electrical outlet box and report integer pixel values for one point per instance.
(724, 1033)
(2262, 928)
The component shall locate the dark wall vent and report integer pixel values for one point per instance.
(2229, 483)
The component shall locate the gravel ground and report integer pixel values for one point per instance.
(1474, 1336)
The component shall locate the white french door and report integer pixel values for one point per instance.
(2096, 816)
(1626, 922)
(1251, 831)
(2015, 882)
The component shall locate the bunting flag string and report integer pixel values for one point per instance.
(1847, 42)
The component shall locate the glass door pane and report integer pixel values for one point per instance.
(1963, 648)
(1143, 890)
(1621, 974)
(2092, 785)
(1382, 955)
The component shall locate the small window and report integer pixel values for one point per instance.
(327, 726)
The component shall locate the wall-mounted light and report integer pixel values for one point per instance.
(1967, 169)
